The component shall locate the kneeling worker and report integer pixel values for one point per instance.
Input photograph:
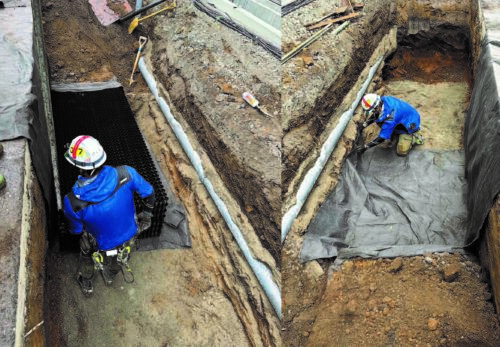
(100, 207)
(394, 117)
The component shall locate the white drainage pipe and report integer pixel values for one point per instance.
(326, 150)
(262, 273)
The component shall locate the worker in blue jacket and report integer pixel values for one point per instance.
(394, 117)
(101, 208)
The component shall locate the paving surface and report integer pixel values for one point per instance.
(12, 166)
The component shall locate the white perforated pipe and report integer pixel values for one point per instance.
(262, 273)
(326, 150)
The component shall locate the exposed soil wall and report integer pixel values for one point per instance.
(477, 27)
(311, 92)
(205, 76)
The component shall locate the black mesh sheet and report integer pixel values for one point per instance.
(106, 115)
(387, 206)
(290, 7)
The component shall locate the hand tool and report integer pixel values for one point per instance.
(142, 42)
(252, 101)
(136, 20)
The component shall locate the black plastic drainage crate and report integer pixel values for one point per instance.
(106, 115)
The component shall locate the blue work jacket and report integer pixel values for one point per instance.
(110, 217)
(397, 112)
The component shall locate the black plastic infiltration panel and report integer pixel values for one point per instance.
(105, 115)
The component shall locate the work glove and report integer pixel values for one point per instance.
(144, 221)
(361, 149)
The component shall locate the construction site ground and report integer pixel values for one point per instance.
(206, 295)
(428, 300)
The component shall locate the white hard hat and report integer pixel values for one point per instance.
(85, 152)
(369, 102)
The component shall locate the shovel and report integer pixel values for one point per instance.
(142, 42)
(136, 20)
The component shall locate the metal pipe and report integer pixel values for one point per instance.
(326, 150)
(263, 274)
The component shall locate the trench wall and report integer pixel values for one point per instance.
(310, 97)
(27, 203)
(485, 230)
(255, 193)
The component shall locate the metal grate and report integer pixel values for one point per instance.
(105, 115)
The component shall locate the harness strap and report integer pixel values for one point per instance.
(77, 205)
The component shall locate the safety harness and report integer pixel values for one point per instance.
(122, 252)
(77, 205)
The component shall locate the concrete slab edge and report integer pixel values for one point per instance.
(23, 251)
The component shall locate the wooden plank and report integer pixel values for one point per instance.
(334, 20)
(340, 10)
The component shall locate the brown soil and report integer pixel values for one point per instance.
(316, 80)
(406, 302)
(429, 65)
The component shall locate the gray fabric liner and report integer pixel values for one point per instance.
(16, 55)
(482, 140)
(387, 206)
(85, 86)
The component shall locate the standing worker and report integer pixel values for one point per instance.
(101, 208)
(394, 117)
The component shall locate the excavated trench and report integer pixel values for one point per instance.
(246, 184)
(431, 62)
(205, 293)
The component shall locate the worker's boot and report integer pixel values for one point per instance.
(85, 284)
(405, 143)
(418, 139)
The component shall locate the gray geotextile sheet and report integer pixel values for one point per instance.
(482, 133)
(16, 69)
(387, 206)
